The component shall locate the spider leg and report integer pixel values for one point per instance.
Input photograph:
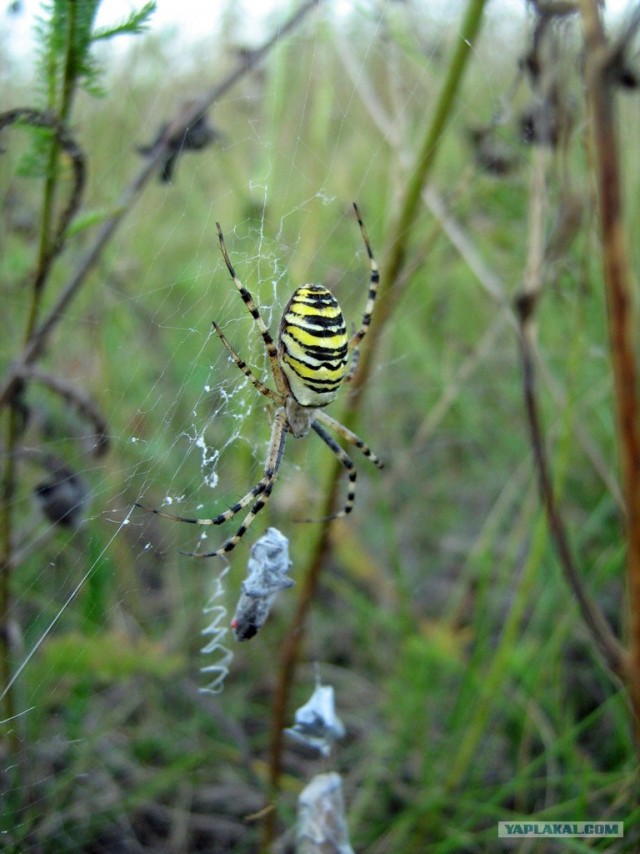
(246, 370)
(347, 463)
(272, 351)
(353, 367)
(258, 489)
(373, 287)
(262, 489)
(349, 436)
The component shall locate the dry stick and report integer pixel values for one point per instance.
(391, 269)
(493, 286)
(600, 630)
(525, 305)
(617, 282)
(36, 343)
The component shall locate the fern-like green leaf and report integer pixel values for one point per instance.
(137, 22)
(65, 32)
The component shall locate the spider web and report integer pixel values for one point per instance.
(187, 432)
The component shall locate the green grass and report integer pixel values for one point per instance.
(470, 689)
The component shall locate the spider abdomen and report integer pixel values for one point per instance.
(314, 346)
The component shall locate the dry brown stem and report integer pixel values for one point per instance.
(621, 320)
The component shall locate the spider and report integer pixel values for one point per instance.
(308, 364)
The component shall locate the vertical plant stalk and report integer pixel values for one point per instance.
(394, 260)
(49, 248)
(599, 629)
(49, 245)
(391, 271)
(62, 110)
(621, 319)
(525, 305)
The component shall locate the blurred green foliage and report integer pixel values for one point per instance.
(469, 688)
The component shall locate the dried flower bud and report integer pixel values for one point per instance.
(63, 496)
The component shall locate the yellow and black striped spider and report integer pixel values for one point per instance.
(308, 364)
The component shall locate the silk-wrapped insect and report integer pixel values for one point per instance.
(316, 724)
(322, 824)
(267, 575)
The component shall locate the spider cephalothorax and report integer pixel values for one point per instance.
(308, 364)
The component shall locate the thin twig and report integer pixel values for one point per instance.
(600, 630)
(525, 305)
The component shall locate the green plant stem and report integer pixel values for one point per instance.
(617, 280)
(62, 110)
(13, 426)
(391, 270)
(394, 260)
